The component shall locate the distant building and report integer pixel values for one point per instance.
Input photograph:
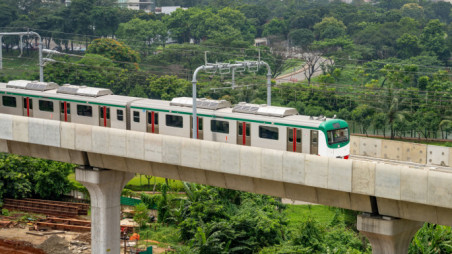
(167, 9)
(145, 5)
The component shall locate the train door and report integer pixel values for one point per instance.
(243, 139)
(28, 107)
(199, 130)
(314, 142)
(65, 111)
(104, 116)
(152, 123)
(294, 140)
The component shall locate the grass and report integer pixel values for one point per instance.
(24, 66)
(298, 213)
(140, 183)
(165, 235)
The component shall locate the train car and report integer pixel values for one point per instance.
(246, 124)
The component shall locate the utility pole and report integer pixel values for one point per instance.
(251, 65)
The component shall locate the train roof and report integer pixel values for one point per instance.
(79, 94)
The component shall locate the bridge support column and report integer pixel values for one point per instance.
(105, 188)
(386, 234)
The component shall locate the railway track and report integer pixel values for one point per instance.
(53, 208)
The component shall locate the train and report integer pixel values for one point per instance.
(247, 124)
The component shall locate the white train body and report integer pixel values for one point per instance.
(270, 127)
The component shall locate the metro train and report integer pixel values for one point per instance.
(246, 124)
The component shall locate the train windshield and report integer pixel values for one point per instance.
(338, 136)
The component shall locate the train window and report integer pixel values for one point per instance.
(247, 129)
(268, 132)
(25, 103)
(120, 114)
(84, 110)
(9, 101)
(219, 126)
(174, 121)
(102, 113)
(337, 136)
(46, 106)
(290, 134)
(136, 116)
(156, 118)
(68, 108)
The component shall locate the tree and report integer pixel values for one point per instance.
(433, 39)
(114, 50)
(275, 27)
(329, 28)
(141, 215)
(301, 37)
(143, 35)
(413, 10)
(408, 46)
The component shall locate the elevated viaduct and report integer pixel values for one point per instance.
(395, 198)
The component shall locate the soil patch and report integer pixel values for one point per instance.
(55, 245)
(18, 247)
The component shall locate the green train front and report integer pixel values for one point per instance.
(334, 139)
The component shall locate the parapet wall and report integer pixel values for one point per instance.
(401, 151)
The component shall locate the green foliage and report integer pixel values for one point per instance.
(5, 212)
(329, 28)
(114, 50)
(141, 215)
(432, 238)
(22, 177)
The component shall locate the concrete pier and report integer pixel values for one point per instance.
(105, 188)
(388, 235)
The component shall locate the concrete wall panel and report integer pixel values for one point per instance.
(4, 146)
(78, 157)
(39, 151)
(135, 145)
(19, 148)
(450, 157)
(418, 212)
(44, 132)
(83, 137)
(67, 131)
(96, 160)
(387, 181)
(340, 174)
(229, 158)
(293, 168)
(437, 155)
(153, 147)
(316, 171)
(118, 143)
(360, 202)
(444, 216)
(334, 198)
(210, 150)
(391, 149)
(414, 152)
(370, 147)
(363, 177)
(272, 162)
(100, 141)
(439, 189)
(191, 153)
(20, 129)
(250, 161)
(59, 154)
(6, 127)
(355, 145)
(388, 207)
(171, 150)
(115, 162)
(139, 166)
(413, 185)
(301, 192)
(242, 183)
(192, 175)
(215, 179)
(268, 187)
(165, 170)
